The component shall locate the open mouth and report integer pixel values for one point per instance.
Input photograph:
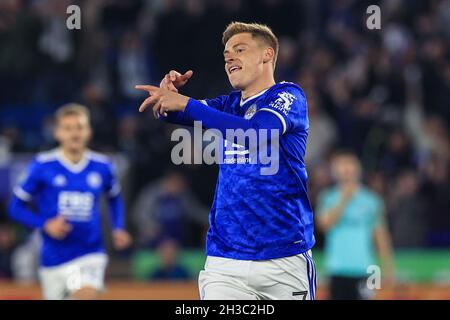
(234, 69)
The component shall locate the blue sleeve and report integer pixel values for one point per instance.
(177, 117)
(117, 209)
(216, 103)
(215, 119)
(288, 103)
(20, 212)
(23, 194)
(115, 201)
(184, 119)
(31, 184)
(112, 185)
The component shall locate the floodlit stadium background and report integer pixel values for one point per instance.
(383, 93)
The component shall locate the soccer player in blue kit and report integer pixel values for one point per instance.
(65, 185)
(261, 226)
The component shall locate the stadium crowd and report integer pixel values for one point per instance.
(385, 94)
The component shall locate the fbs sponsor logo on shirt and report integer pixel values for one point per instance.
(76, 206)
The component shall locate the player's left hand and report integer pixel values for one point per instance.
(162, 100)
(121, 239)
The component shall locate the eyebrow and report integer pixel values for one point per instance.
(237, 44)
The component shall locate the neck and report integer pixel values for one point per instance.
(257, 86)
(73, 156)
(351, 185)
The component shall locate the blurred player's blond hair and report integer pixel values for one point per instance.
(258, 31)
(70, 109)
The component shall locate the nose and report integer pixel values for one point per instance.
(229, 58)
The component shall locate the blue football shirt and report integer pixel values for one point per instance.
(58, 187)
(256, 216)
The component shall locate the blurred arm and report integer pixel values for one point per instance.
(19, 206)
(20, 212)
(384, 248)
(182, 118)
(330, 217)
(117, 211)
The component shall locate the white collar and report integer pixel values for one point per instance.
(69, 165)
(252, 97)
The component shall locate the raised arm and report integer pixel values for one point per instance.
(285, 112)
(172, 81)
(327, 218)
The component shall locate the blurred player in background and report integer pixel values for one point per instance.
(65, 186)
(352, 218)
(261, 226)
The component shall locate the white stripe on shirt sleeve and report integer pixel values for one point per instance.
(22, 194)
(115, 190)
(279, 116)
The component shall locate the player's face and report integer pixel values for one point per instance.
(346, 169)
(244, 60)
(73, 132)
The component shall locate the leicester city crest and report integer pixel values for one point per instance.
(94, 180)
(59, 181)
(250, 112)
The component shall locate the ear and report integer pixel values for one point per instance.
(91, 133)
(56, 133)
(269, 55)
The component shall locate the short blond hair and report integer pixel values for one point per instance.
(71, 109)
(260, 31)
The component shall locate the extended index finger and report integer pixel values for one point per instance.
(187, 75)
(148, 88)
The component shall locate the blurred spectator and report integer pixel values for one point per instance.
(131, 64)
(407, 214)
(103, 120)
(397, 154)
(322, 132)
(19, 58)
(5, 152)
(321, 179)
(7, 242)
(287, 58)
(377, 181)
(54, 41)
(128, 130)
(57, 50)
(12, 138)
(436, 189)
(352, 218)
(169, 269)
(167, 209)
